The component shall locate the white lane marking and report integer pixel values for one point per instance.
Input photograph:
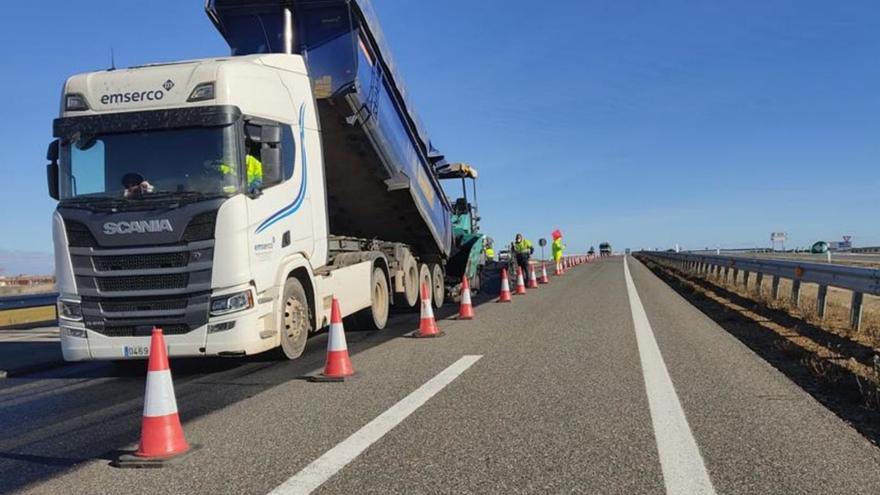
(322, 468)
(683, 469)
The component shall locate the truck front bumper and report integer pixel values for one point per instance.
(247, 336)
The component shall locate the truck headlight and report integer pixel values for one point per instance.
(70, 310)
(231, 303)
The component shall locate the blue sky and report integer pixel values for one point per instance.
(702, 123)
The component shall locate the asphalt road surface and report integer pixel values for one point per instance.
(601, 382)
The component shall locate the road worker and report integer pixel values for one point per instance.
(557, 248)
(523, 249)
(490, 249)
(254, 171)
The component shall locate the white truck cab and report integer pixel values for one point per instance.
(223, 266)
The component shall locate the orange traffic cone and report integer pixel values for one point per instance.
(520, 283)
(465, 310)
(533, 280)
(162, 437)
(544, 278)
(427, 325)
(338, 364)
(505, 286)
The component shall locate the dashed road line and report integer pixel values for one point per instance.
(684, 471)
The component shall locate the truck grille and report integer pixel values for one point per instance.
(130, 306)
(143, 282)
(141, 262)
(201, 227)
(126, 290)
(142, 331)
(78, 235)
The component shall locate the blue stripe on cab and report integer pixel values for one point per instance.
(300, 196)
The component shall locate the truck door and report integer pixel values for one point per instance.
(280, 217)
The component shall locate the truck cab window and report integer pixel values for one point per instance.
(180, 161)
(87, 170)
(271, 172)
(288, 152)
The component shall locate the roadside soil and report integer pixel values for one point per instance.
(838, 367)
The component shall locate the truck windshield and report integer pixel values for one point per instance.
(191, 162)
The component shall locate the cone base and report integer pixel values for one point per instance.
(322, 378)
(465, 317)
(419, 335)
(504, 300)
(132, 460)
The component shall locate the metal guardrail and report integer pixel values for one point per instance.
(870, 249)
(860, 281)
(21, 301)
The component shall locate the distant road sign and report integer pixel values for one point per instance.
(542, 242)
(778, 237)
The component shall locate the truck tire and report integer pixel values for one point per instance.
(476, 282)
(411, 281)
(375, 317)
(424, 279)
(438, 285)
(296, 322)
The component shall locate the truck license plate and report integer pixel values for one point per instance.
(136, 351)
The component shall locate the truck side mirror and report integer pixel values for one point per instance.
(271, 134)
(52, 169)
(264, 133)
(52, 152)
(271, 159)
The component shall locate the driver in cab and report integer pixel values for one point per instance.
(135, 186)
(254, 171)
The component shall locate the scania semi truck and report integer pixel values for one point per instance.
(227, 200)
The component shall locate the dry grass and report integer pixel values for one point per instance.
(836, 308)
(12, 317)
(826, 347)
(12, 290)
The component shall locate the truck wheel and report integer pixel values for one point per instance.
(411, 281)
(295, 322)
(439, 285)
(476, 282)
(424, 279)
(376, 316)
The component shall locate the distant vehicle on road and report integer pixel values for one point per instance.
(592, 251)
(605, 249)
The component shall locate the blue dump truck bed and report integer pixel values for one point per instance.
(379, 162)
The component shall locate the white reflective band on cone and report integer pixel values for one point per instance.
(337, 338)
(427, 312)
(159, 398)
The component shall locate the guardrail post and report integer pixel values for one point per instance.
(746, 280)
(726, 274)
(855, 311)
(820, 301)
(759, 283)
(774, 289)
(717, 272)
(795, 293)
